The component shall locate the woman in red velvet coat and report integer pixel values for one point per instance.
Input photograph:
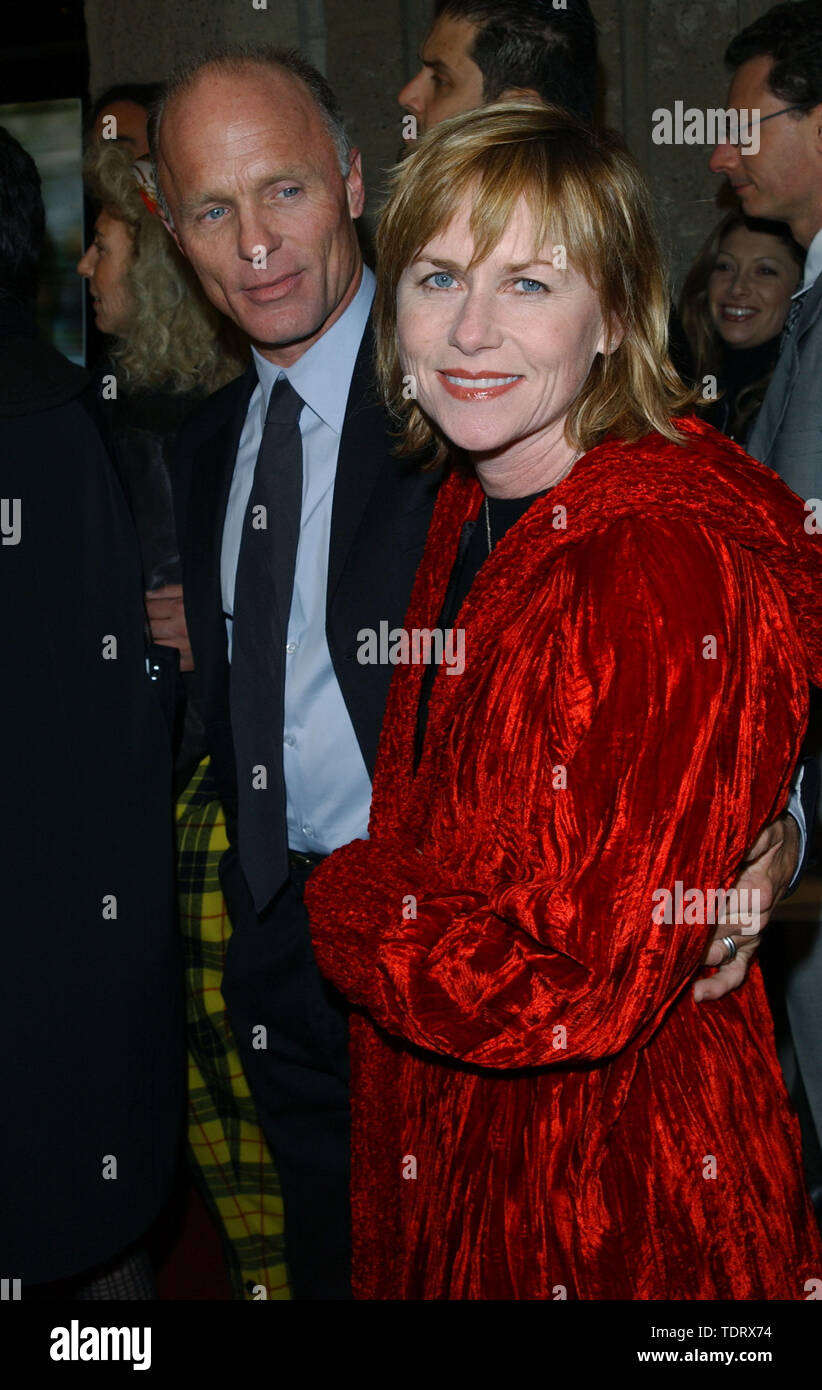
(541, 1109)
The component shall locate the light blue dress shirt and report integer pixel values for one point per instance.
(813, 264)
(328, 790)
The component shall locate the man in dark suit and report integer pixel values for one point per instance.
(298, 529)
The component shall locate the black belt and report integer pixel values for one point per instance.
(302, 866)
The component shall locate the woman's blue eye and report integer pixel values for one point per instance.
(441, 279)
(531, 286)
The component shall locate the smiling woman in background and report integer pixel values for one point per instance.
(734, 304)
(553, 1113)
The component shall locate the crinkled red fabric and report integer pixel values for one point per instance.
(540, 1109)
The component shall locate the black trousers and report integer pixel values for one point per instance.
(297, 1069)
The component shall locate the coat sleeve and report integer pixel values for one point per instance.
(673, 704)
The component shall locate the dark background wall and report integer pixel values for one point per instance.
(654, 52)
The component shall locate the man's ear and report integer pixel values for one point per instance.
(168, 226)
(355, 186)
(172, 233)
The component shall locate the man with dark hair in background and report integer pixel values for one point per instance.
(90, 1001)
(479, 51)
(128, 103)
(777, 74)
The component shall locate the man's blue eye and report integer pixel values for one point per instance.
(288, 192)
(209, 218)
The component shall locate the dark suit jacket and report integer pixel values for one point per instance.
(90, 1003)
(381, 512)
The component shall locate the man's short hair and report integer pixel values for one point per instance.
(790, 34)
(528, 43)
(22, 221)
(234, 58)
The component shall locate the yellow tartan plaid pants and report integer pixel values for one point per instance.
(229, 1157)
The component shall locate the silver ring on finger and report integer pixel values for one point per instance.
(732, 949)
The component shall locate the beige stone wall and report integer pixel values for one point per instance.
(653, 52)
(365, 48)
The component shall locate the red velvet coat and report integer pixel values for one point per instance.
(547, 1112)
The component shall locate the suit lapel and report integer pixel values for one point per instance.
(212, 471)
(765, 434)
(363, 456)
(225, 447)
(811, 309)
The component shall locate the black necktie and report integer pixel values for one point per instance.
(262, 602)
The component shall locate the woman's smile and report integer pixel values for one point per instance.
(472, 386)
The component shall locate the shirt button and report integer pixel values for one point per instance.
(291, 647)
(308, 829)
(290, 740)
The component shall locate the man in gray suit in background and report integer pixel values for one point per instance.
(777, 70)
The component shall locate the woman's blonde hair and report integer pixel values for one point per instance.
(587, 194)
(176, 339)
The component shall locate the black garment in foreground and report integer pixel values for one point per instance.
(91, 986)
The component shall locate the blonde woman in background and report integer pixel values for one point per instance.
(169, 348)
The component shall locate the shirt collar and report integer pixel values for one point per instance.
(813, 263)
(322, 376)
